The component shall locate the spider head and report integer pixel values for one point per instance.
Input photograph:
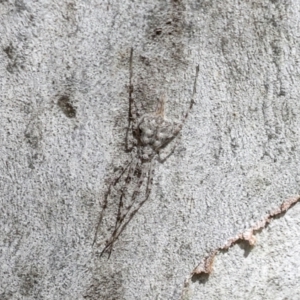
(147, 153)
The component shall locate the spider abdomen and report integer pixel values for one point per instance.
(155, 133)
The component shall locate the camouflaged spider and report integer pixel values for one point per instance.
(151, 133)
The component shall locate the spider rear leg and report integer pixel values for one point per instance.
(127, 181)
(147, 194)
(106, 195)
(120, 228)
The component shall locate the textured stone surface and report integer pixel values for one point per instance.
(63, 115)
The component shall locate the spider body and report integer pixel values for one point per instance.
(154, 134)
(132, 186)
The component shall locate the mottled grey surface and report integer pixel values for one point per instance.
(270, 270)
(63, 115)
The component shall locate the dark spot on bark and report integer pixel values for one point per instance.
(282, 92)
(114, 289)
(20, 6)
(145, 60)
(28, 282)
(158, 31)
(6, 295)
(32, 140)
(244, 245)
(9, 50)
(66, 107)
(15, 61)
(11, 67)
(138, 173)
(271, 136)
(71, 6)
(167, 25)
(200, 278)
(224, 45)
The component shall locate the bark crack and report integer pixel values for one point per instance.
(205, 267)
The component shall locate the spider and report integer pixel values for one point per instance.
(151, 134)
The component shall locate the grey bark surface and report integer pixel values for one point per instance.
(64, 71)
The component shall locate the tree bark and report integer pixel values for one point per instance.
(64, 73)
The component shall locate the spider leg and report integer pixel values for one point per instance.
(127, 181)
(133, 110)
(130, 91)
(120, 228)
(132, 214)
(110, 242)
(112, 183)
(163, 159)
(179, 127)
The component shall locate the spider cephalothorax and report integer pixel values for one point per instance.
(132, 186)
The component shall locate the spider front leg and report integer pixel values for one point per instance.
(179, 127)
(133, 109)
(192, 102)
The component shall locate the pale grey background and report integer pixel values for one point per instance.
(237, 156)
